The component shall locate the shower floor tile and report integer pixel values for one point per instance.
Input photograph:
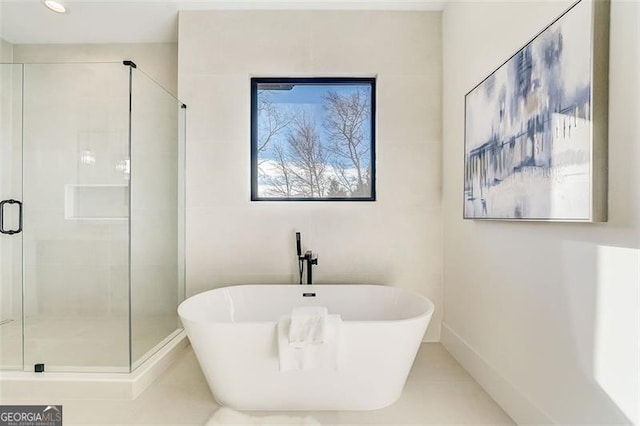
(438, 392)
(97, 344)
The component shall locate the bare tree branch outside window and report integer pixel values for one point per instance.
(313, 139)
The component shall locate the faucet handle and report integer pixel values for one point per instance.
(313, 258)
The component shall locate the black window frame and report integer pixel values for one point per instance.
(255, 81)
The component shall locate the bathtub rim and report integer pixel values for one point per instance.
(430, 306)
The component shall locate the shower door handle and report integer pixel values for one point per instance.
(10, 231)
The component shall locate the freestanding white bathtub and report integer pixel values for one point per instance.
(233, 334)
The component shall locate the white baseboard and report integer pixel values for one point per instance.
(512, 400)
(22, 385)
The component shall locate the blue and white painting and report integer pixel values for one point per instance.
(528, 129)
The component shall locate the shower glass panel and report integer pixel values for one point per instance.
(157, 197)
(10, 189)
(95, 154)
(76, 228)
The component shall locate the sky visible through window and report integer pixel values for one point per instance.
(313, 140)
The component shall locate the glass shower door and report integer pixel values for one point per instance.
(76, 217)
(10, 199)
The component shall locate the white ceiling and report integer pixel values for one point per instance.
(144, 21)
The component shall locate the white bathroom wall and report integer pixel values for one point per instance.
(545, 315)
(159, 60)
(6, 51)
(397, 239)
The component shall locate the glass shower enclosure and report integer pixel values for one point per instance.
(92, 216)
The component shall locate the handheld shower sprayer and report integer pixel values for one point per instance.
(307, 257)
(300, 257)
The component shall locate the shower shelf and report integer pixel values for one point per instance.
(96, 202)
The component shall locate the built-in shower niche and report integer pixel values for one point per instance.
(96, 201)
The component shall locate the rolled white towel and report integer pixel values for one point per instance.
(308, 326)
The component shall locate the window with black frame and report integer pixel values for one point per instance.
(313, 139)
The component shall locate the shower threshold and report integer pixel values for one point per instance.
(85, 385)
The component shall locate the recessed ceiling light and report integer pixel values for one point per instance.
(55, 6)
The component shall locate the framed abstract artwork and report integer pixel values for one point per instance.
(536, 128)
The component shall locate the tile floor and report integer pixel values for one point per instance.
(438, 392)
